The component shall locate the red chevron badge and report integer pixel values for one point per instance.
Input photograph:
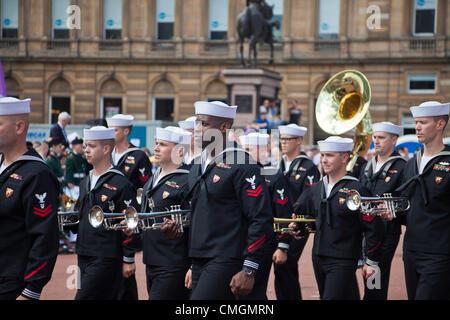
(42, 212)
(144, 179)
(282, 202)
(255, 193)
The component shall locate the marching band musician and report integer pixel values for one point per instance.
(103, 256)
(127, 158)
(339, 231)
(257, 145)
(383, 174)
(29, 200)
(136, 166)
(302, 174)
(167, 260)
(426, 246)
(231, 221)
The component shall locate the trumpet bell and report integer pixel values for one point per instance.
(353, 200)
(131, 218)
(96, 216)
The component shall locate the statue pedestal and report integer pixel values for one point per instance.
(247, 88)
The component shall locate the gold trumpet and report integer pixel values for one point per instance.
(299, 219)
(66, 217)
(377, 205)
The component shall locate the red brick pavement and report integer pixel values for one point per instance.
(59, 286)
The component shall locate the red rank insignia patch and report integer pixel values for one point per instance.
(438, 180)
(282, 202)
(216, 178)
(42, 212)
(255, 193)
(9, 192)
(341, 201)
(145, 178)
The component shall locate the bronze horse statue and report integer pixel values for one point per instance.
(254, 23)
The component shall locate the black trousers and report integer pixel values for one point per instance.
(10, 288)
(336, 278)
(388, 247)
(166, 283)
(100, 278)
(211, 278)
(128, 288)
(427, 275)
(287, 283)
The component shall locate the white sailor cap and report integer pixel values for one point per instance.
(293, 130)
(99, 133)
(188, 124)
(430, 109)
(335, 144)
(388, 127)
(10, 106)
(216, 109)
(173, 134)
(254, 139)
(120, 120)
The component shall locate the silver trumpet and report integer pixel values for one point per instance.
(376, 205)
(110, 221)
(148, 221)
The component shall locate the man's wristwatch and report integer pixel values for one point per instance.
(249, 271)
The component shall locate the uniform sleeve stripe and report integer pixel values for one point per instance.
(282, 245)
(257, 244)
(126, 241)
(36, 271)
(251, 264)
(128, 260)
(30, 294)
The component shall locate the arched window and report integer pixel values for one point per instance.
(111, 98)
(163, 94)
(60, 94)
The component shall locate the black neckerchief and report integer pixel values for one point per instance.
(30, 155)
(371, 165)
(294, 164)
(418, 177)
(323, 194)
(131, 148)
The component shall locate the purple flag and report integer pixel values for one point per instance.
(2, 82)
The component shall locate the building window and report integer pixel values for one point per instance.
(165, 18)
(58, 104)
(277, 6)
(111, 106)
(329, 19)
(408, 124)
(112, 24)
(422, 83)
(424, 17)
(218, 19)
(164, 109)
(10, 18)
(59, 19)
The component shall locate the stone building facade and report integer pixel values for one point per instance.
(154, 58)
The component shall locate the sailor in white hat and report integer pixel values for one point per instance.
(258, 146)
(426, 185)
(224, 193)
(128, 158)
(337, 242)
(383, 174)
(167, 260)
(189, 126)
(29, 238)
(301, 174)
(101, 252)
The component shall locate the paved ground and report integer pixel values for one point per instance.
(59, 287)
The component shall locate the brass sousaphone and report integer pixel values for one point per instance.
(343, 105)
